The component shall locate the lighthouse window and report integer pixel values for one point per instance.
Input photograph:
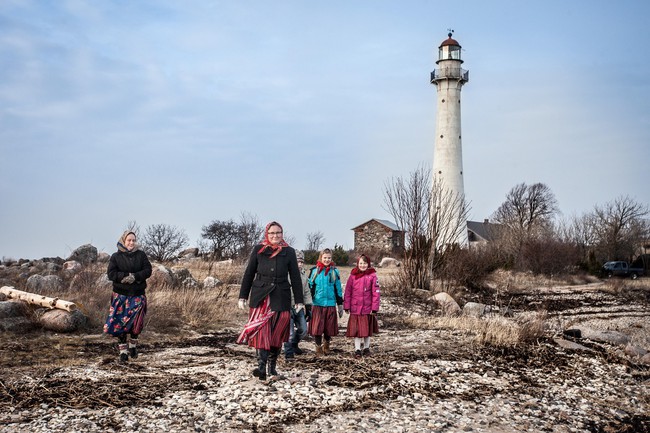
(454, 52)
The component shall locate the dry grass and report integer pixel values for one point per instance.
(493, 330)
(521, 281)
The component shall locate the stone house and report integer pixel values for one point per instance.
(378, 236)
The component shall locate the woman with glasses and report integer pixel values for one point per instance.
(271, 275)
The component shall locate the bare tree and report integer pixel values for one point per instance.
(526, 214)
(250, 233)
(620, 228)
(223, 236)
(432, 218)
(132, 226)
(581, 232)
(161, 242)
(315, 240)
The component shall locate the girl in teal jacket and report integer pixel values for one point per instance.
(325, 285)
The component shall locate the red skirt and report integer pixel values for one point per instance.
(362, 325)
(265, 328)
(324, 320)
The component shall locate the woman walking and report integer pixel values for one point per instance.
(266, 288)
(128, 269)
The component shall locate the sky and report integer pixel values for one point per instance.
(187, 112)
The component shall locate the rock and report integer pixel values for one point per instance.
(19, 324)
(211, 282)
(389, 262)
(49, 283)
(475, 309)
(102, 282)
(84, 254)
(61, 320)
(12, 309)
(566, 344)
(161, 277)
(611, 337)
(183, 277)
(635, 351)
(103, 257)
(188, 253)
(448, 304)
(72, 266)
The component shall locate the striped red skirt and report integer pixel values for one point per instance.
(324, 320)
(265, 328)
(362, 325)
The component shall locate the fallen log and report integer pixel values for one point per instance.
(33, 298)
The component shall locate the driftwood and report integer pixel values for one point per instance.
(33, 298)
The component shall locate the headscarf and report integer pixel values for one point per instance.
(358, 273)
(320, 266)
(266, 243)
(122, 242)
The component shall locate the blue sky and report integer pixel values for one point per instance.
(185, 112)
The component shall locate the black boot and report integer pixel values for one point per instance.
(273, 359)
(262, 357)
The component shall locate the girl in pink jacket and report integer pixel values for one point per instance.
(361, 300)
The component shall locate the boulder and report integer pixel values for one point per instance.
(566, 344)
(62, 321)
(72, 266)
(635, 351)
(161, 277)
(103, 257)
(19, 324)
(38, 283)
(448, 304)
(611, 337)
(12, 309)
(188, 253)
(211, 283)
(102, 282)
(183, 277)
(84, 254)
(646, 359)
(475, 309)
(389, 262)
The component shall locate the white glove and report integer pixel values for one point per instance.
(340, 308)
(129, 279)
(299, 307)
(242, 304)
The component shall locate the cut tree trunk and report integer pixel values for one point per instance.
(33, 298)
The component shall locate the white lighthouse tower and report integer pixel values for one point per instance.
(449, 78)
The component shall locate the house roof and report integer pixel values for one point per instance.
(386, 223)
(484, 229)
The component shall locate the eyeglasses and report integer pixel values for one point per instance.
(274, 233)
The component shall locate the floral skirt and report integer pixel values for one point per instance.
(324, 321)
(265, 328)
(362, 325)
(126, 315)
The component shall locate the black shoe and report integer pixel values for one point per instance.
(297, 350)
(133, 352)
(289, 357)
(124, 357)
(357, 354)
(260, 374)
(366, 351)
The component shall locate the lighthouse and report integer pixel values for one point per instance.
(449, 78)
